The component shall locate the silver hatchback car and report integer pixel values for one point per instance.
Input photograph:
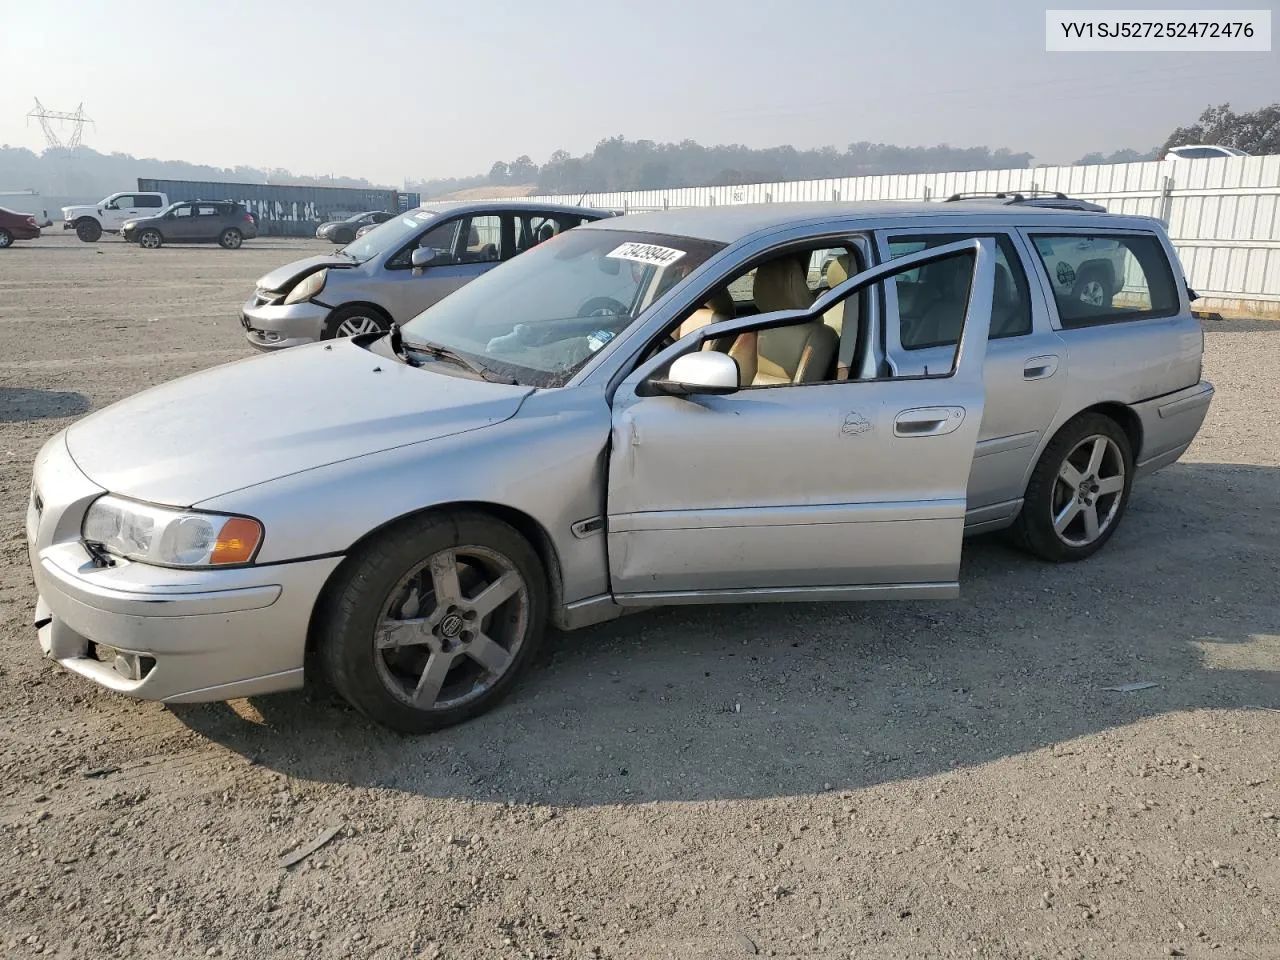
(749, 403)
(396, 270)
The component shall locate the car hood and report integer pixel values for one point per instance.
(80, 208)
(283, 278)
(255, 420)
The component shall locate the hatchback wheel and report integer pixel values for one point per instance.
(353, 321)
(6, 238)
(231, 239)
(150, 239)
(1078, 491)
(431, 623)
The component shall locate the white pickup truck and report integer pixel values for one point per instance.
(109, 214)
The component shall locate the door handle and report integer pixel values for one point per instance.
(1040, 368)
(927, 421)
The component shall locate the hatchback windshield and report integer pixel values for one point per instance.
(539, 317)
(392, 233)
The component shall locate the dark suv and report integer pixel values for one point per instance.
(193, 221)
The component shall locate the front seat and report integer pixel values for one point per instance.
(800, 353)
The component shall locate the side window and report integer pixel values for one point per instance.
(813, 351)
(1107, 278)
(144, 201)
(125, 202)
(439, 238)
(483, 240)
(182, 212)
(932, 299)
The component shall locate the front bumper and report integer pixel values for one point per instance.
(270, 327)
(155, 633)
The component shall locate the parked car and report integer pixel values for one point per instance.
(1201, 151)
(198, 221)
(367, 227)
(344, 231)
(396, 270)
(111, 213)
(27, 202)
(16, 226)
(601, 425)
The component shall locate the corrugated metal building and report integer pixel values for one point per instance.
(289, 211)
(1223, 214)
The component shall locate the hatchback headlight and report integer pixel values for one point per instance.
(168, 537)
(308, 288)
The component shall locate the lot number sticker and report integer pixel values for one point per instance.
(649, 253)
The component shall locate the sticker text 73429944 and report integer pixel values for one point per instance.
(649, 253)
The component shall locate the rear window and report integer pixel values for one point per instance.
(1107, 278)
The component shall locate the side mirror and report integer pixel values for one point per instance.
(703, 371)
(424, 257)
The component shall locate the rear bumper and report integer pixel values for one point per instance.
(271, 327)
(1169, 424)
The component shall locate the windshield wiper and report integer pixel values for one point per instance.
(441, 352)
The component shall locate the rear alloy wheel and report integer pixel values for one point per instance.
(150, 240)
(353, 321)
(430, 624)
(6, 238)
(1078, 491)
(88, 230)
(231, 239)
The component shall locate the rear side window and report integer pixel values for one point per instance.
(145, 201)
(932, 299)
(1107, 278)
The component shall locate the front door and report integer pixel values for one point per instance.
(465, 248)
(845, 488)
(180, 226)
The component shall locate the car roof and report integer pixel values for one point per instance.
(728, 224)
(518, 203)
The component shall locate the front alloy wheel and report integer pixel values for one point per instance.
(150, 240)
(431, 623)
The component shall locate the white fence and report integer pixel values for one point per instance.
(1223, 214)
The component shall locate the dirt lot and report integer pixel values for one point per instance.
(882, 780)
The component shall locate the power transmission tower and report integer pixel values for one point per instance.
(78, 119)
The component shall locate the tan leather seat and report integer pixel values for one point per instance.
(801, 353)
(719, 306)
(837, 273)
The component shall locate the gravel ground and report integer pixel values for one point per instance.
(880, 780)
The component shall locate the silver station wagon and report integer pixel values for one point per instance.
(748, 403)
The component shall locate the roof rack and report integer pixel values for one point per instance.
(1039, 198)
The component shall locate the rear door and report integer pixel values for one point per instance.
(850, 488)
(1026, 370)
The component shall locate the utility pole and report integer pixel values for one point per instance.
(78, 119)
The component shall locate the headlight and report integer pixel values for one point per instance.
(308, 288)
(168, 537)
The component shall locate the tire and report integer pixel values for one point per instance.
(1093, 287)
(352, 321)
(150, 240)
(434, 673)
(6, 238)
(1066, 486)
(88, 230)
(230, 239)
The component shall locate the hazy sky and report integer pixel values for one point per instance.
(392, 88)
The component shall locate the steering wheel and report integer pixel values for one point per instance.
(603, 307)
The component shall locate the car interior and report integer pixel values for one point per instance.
(809, 352)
